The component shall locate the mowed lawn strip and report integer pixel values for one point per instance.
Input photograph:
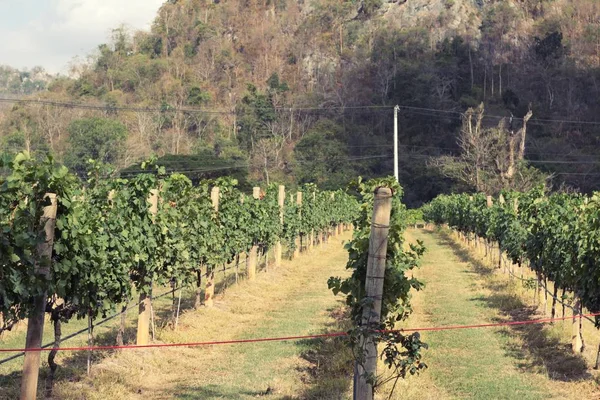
(293, 300)
(471, 363)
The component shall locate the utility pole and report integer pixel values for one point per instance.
(396, 143)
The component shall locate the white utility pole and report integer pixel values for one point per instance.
(396, 143)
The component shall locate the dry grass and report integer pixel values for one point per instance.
(292, 300)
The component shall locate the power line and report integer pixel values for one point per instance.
(169, 109)
(529, 161)
(245, 165)
(578, 173)
(563, 162)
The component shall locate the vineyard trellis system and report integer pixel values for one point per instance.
(378, 292)
(74, 249)
(556, 235)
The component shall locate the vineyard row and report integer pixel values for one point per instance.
(80, 249)
(556, 235)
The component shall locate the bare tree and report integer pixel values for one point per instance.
(491, 158)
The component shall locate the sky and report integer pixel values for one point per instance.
(51, 33)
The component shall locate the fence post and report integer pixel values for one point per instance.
(35, 324)
(576, 338)
(281, 201)
(209, 292)
(298, 239)
(332, 228)
(501, 201)
(311, 236)
(488, 243)
(143, 326)
(252, 259)
(382, 207)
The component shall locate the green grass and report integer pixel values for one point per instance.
(484, 363)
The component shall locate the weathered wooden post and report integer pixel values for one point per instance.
(382, 207)
(311, 236)
(278, 247)
(123, 318)
(501, 201)
(298, 239)
(209, 292)
(332, 228)
(35, 323)
(252, 258)
(576, 338)
(488, 245)
(144, 311)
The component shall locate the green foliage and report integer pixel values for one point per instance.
(94, 139)
(13, 143)
(414, 216)
(255, 114)
(22, 199)
(109, 241)
(557, 233)
(196, 96)
(322, 157)
(206, 164)
(370, 6)
(92, 259)
(398, 283)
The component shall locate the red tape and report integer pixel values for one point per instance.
(287, 338)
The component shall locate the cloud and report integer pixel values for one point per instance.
(52, 34)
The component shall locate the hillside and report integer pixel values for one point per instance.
(282, 80)
(23, 82)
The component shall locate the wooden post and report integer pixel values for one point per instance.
(488, 244)
(311, 236)
(278, 247)
(35, 323)
(576, 341)
(123, 318)
(209, 292)
(334, 231)
(363, 389)
(501, 202)
(252, 258)
(298, 242)
(144, 311)
(215, 196)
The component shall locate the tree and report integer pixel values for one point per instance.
(95, 138)
(322, 158)
(492, 158)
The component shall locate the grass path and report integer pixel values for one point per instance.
(293, 300)
(487, 363)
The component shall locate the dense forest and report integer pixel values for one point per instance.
(303, 91)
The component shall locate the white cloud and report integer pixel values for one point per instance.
(65, 28)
